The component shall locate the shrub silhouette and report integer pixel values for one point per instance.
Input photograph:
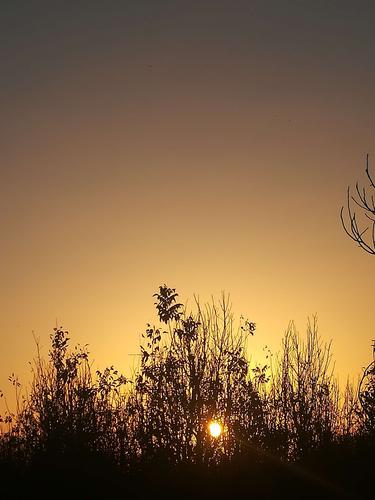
(193, 372)
(281, 422)
(367, 394)
(303, 399)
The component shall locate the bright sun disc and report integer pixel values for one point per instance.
(215, 429)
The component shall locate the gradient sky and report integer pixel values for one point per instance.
(207, 145)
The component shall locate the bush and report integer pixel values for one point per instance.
(279, 422)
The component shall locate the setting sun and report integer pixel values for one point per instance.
(215, 428)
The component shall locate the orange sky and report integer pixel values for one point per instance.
(206, 147)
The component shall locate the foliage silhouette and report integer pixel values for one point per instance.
(80, 433)
(303, 397)
(367, 393)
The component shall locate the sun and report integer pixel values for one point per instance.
(215, 429)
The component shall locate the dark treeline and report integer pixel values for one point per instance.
(288, 429)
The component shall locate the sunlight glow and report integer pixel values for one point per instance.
(215, 428)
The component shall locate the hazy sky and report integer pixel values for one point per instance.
(207, 145)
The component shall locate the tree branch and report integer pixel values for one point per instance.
(350, 223)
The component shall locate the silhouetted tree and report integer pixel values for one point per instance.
(364, 235)
(191, 373)
(361, 231)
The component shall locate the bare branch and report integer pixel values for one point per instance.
(364, 238)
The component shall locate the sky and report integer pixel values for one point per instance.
(206, 145)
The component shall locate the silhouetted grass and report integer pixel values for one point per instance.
(287, 429)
